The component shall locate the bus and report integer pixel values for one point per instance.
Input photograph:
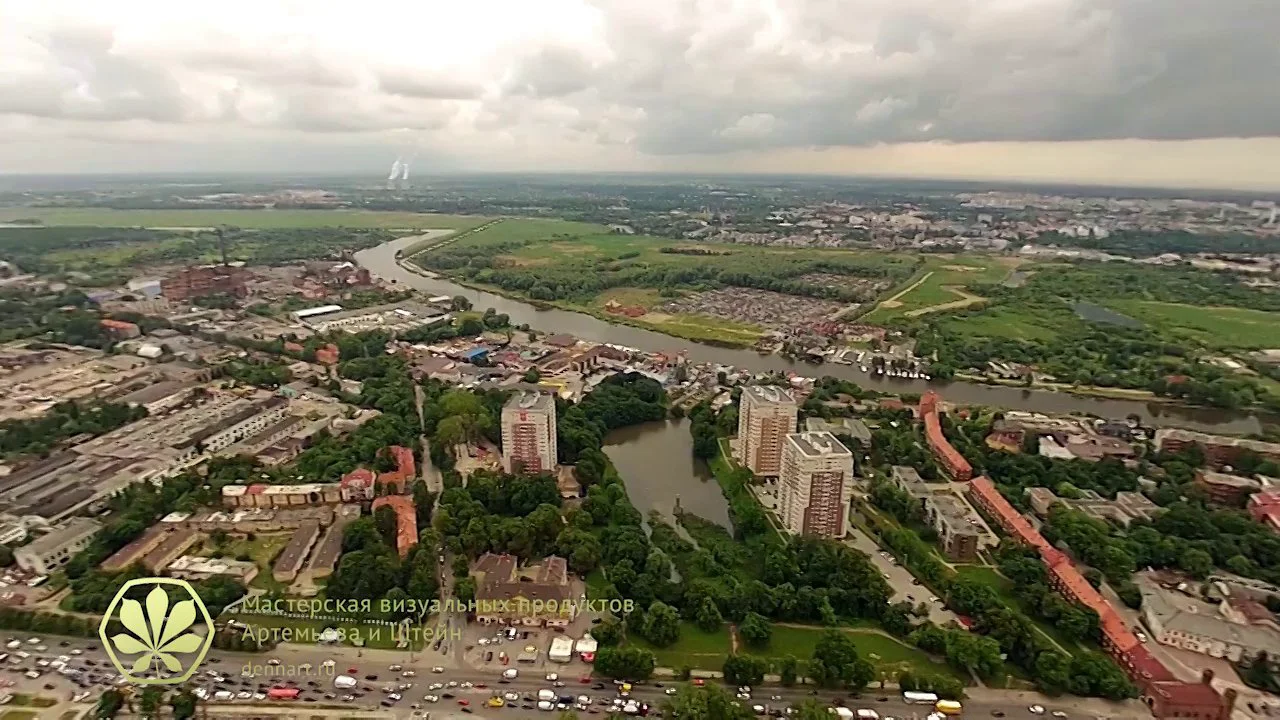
(949, 707)
(919, 698)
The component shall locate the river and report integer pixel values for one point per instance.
(655, 461)
(381, 261)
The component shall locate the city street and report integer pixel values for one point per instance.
(904, 585)
(248, 673)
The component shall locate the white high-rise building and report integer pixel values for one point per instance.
(816, 484)
(529, 433)
(766, 413)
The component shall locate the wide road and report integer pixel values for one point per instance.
(94, 671)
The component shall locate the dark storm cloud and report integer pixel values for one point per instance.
(697, 76)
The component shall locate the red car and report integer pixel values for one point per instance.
(699, 682)
(352, 670)
(464, 702)
(585, 679)
(481, 686)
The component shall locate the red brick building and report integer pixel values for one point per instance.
(327, 355)
(1167, 696)
(203, 281)
(406, 520)
(120, 329)
(399, 478)
(951, 461)
(1218, 450)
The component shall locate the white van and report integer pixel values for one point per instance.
(510, 674)
(547, 695)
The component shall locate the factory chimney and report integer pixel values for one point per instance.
(395, 173)
(404, 177)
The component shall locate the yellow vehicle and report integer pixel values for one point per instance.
(496, 702)
(626, 687)
(949, 707)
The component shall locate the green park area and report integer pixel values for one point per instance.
(695, 649)
(942, 284)
(887, 654)
(250, 219)
(1003, 586)
(1221, 327)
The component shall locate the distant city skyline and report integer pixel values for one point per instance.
(1077, 91)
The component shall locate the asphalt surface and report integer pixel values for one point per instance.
(90, 672)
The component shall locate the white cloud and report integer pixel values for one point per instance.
(637, 83)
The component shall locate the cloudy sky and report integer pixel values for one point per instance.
(1179, 92)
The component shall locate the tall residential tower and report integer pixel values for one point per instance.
(816, 484)
(766, 414)
(529, 433)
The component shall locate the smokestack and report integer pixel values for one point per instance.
(404, 178)
(395, 173)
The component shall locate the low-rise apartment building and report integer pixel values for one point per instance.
(540, 596)
(1127, 507)
(961, 532)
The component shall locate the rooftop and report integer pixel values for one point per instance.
(69, 532)
(528, 400)
(818, 444)
(769, 394)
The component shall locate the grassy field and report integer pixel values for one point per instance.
(262, 550)
(695, 648)
(1004, 587)
(1224, 327)
(942, 282)
(102, 217)
(1014, 323)
(533, 229)
(886, 653)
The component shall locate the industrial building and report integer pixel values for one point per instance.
(190, 567)
(815, 484)
(1219, 630)
(56, 548)
(766, 415)
(290, 560)
(396, 317)
(529, 433)
(204, 281)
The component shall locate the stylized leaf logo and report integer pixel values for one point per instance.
(156, 631)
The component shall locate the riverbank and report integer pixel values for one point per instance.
(382, 262)
(711, 338)
(704, 335)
